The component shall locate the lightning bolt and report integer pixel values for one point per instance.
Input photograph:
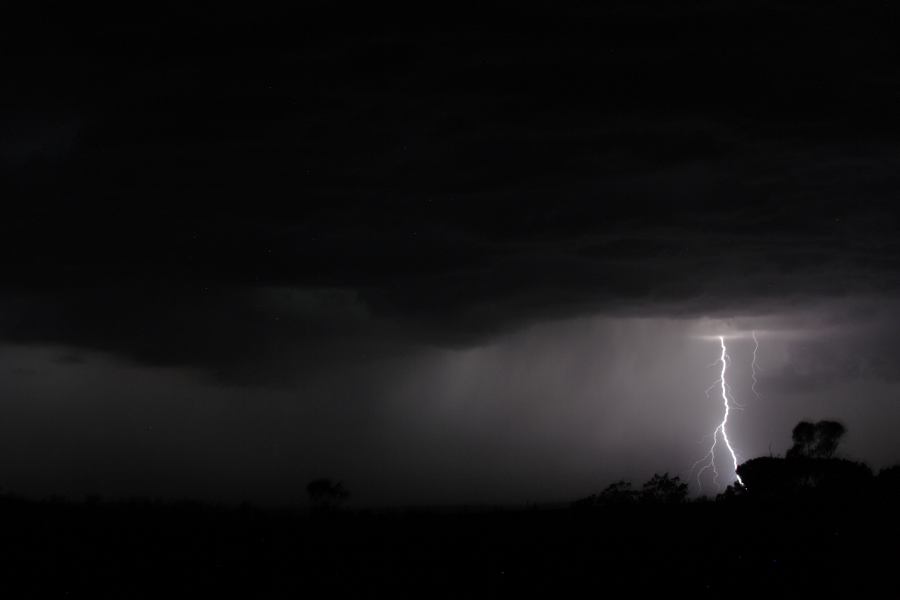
(754, 366)
(709, 460)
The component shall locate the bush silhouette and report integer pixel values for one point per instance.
(663, 489)
(659, 489)
(618, 494)
(810, 467)
(324, 495)
(770, 476)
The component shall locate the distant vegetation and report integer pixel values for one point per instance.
(810, 470)
(807, 525)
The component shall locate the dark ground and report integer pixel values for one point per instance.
(701, 549)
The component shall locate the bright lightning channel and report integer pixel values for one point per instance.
(710, 458)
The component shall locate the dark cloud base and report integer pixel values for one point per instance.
(442, 179)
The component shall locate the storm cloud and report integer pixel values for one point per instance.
(496, 238)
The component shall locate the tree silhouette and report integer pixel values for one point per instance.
(617, 494)
(816, 440)
(324, 495)
(889, 480)
(663, 489)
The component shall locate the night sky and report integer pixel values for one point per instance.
(466, 255)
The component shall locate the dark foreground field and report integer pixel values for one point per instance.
(801, 548)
